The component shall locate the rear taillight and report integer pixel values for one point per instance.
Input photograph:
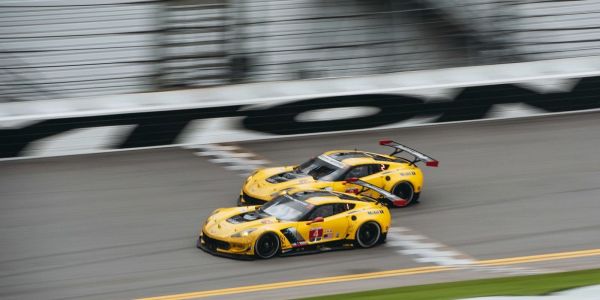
(433, 163)
(400, 202)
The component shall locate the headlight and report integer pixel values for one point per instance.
(244, 233)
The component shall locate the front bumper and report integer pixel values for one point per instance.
(211, 248)
(247, 200)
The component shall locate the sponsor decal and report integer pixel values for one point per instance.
(407, 173)
(299, 244)
(315, 234)
(328, 234)
(375, 212)
(292, 235)
(352, 191)
(161, 128)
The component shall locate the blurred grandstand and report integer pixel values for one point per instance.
(63, 49)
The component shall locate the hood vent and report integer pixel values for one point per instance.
(286, 176)
(245, 217)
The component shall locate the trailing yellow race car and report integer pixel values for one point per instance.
(328, 171)
(298, 221)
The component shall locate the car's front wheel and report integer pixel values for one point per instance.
(267, 245)
(368, 235)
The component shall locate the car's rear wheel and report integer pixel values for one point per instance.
(267, 245)
(406, 191)
(368, 235)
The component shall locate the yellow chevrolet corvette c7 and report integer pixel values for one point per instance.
(297, 221)
(329, 171)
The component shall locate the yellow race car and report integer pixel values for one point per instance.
(298, 221)
(396, 174)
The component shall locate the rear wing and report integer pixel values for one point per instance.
(395, 200)
(418, 156)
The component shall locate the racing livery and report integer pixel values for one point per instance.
(298, 221)
(330, 170)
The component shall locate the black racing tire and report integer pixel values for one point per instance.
(415, 199)
(382, 238)
(267, 245)
(368, 234)
(405, 190)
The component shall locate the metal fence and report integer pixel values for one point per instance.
(61, 49)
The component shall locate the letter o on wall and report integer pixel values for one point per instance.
(283, 119)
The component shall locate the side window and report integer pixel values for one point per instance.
(339, 208)
(322, 211)
(365, 170)
(376, 168)
(358, 172)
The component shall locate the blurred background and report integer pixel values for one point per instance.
(64, 49)
(79, 77)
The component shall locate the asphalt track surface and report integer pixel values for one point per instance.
(123, 225)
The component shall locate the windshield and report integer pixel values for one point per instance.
(319, 169)
(286, 208)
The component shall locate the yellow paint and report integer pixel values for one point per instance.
(340, 226)
(297, 283)
(536, 258)
(374, 275)
(392, 172)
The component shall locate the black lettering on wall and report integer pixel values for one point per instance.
(282, 119)
(475, 102)
(156, 128)
(163, 127)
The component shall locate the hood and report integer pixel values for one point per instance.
(230, 221)
(266, 182)
(286, 176)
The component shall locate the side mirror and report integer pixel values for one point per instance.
(316, 220)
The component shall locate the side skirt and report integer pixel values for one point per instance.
(321, 247)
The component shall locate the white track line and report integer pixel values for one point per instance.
(424, 250)
(231, 157)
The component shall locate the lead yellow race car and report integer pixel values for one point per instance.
(329, 171)
(298, 221)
